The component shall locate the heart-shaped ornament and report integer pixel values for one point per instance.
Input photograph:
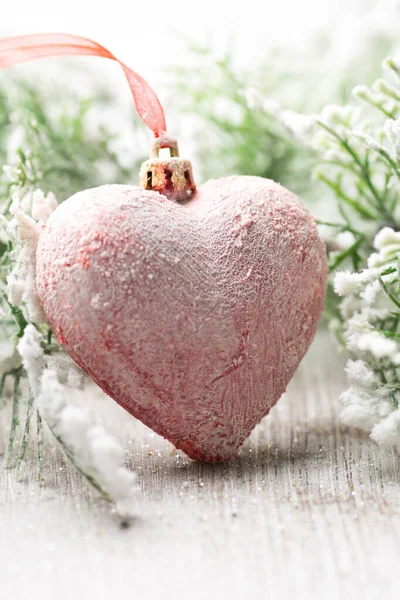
(192, 316)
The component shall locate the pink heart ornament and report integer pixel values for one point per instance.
(194, 316)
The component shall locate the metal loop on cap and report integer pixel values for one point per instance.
(164, 141)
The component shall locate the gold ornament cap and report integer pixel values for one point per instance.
(173, 176)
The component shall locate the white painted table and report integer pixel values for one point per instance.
(310, 510)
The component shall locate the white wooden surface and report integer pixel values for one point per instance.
(310, 510)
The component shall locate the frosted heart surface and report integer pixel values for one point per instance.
(192, 317)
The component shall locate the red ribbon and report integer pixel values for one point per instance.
(15, 50)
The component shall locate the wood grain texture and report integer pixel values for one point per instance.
(310, 510)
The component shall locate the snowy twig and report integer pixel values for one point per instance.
(92, 450)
